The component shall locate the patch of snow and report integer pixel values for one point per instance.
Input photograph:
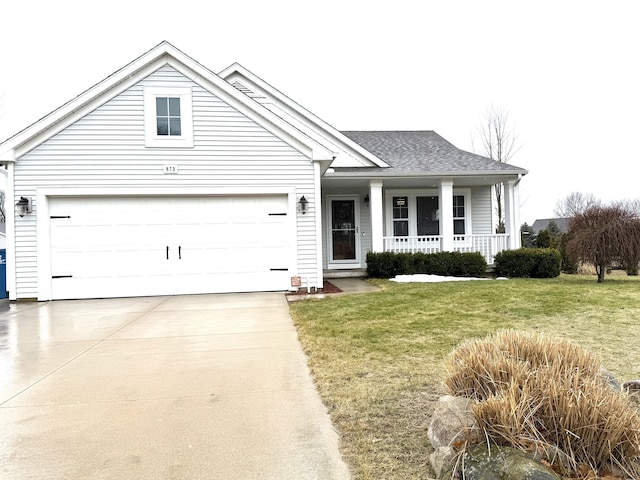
(422, 278)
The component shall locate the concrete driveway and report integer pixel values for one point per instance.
(187, 387)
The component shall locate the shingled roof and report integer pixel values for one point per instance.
(424, 152)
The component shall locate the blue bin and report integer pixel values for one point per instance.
(3, 273)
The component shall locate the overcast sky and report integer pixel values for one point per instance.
(567, 72)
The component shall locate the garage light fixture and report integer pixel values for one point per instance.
(23, 206)
(302, 205)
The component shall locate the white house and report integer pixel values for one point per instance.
(166, 178)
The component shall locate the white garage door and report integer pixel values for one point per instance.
(138, 246)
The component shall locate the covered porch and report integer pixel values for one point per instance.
(411, 215)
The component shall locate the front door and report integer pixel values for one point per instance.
(344, 238)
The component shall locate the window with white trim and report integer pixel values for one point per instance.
(168, 117)
(459, 221)
(417, 213)
(400, 216)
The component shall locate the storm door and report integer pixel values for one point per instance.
(344, 238)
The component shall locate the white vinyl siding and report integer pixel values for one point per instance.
(107, 149)
(365, 228)
(481, 210)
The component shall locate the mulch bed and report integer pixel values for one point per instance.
(327, 287)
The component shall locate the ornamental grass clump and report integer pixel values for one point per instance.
(549, 397)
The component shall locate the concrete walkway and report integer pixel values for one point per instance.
(347, 285)
(188, 387)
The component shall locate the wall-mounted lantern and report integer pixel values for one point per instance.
(366, 200)
(302, 205)
(23, 206)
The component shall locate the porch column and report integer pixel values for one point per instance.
(375, 208)
(512, 212)
(446, 215)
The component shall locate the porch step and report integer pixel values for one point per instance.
(351, 273)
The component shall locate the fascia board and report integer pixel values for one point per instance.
(383, 174)
(237, 71)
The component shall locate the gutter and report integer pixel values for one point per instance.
(381, 175)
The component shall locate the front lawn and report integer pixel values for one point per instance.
(378, 358)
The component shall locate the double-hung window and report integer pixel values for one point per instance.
(458, 215)
(400, 216)
(168, 117)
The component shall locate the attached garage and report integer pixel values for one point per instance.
(163, 179)
(165, 245)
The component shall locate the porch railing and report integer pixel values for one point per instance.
(487, 245)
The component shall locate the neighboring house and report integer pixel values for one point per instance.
(166, 178)
(543, 224)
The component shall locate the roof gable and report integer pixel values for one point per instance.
(163, 54)
(350, 153)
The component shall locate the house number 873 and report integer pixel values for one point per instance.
(170, 169)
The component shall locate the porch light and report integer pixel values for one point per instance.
(366, 200)
(302, 205)
(23, 206)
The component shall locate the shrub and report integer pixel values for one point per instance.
(388, 264)
(543, 240)
(534, 392)
(529, 262)
(381, 265)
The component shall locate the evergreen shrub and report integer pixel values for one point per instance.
(529, 263)
(457, 264)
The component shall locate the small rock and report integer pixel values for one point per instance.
(631, 385)
(442, 460)
(610, 379)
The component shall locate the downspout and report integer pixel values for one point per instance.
(318, 212)
(10, 224)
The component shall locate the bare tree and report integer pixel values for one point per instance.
(575, 203)
(602, 235)
(499, 141)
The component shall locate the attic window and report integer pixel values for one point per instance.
(168, 117)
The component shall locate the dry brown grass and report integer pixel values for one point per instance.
(538, 393)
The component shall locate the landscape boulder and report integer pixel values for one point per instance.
(453, 422)
(452, 425)
(482, 462)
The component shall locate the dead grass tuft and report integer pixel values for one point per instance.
(545, 395)
(586, 269)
